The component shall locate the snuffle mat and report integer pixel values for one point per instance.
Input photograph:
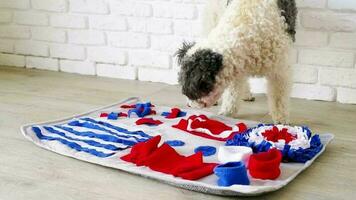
(118, 136)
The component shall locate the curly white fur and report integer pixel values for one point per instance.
(251, 36)
(212, 14)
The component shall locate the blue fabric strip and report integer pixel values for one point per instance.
(69, 144)
(141, 110)
(90, 125)
(113, 116)
(175, 143)
(119, 129)
(108, 138)
(181, 114)
(206, 150)
(89, 142)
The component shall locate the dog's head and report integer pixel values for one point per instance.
(199, 75)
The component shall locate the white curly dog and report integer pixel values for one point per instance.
(243, 38)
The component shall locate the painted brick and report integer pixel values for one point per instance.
(346, 95)
(159, 26)
(187, 28)
(163, 10)
(48, 34)
(128, 40)
(42, 63)
(115, 71)
(86, 37)
(328, 21)
(68, 21)
(338, 77)
(112, 23)
(12, 60)
(50, 5)
(158, 75)
(293, 56)
(311, 3)
(31, 48)
(185, 11)
(31, 18)
(137, 24)
(305, 74)
(79, 67)
(131, 8)
(313, 92)
(150, 59)
(342, 4)
(15, 32)
(178, 11)
(311, 38)
(88, 6)
(5, 16)
(6, 46)
(17, 4)
(67, 51)
(343, 40)
(107, 55)
(167, 43)
(326, 58)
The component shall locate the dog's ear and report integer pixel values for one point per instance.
(183, 51)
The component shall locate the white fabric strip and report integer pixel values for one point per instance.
(301, 141)
(224, 134)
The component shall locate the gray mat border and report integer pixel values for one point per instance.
(189, 185)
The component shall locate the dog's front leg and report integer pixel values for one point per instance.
(279, 88)
(232, 97)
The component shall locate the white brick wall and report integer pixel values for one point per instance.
(42, 63)
(136, 39)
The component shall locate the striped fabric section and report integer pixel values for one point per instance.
(98, 138)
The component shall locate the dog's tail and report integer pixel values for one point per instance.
(289, 11)
(183, 51)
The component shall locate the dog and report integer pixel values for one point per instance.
(250, 38)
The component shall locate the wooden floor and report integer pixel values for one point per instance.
(28, 172)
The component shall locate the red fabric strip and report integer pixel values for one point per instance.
(167, 160)
(174, 113)
(265, 165)
(104, 115)
(148, 121)
(214, 126)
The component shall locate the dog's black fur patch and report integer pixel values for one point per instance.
(198, 72)
(289, 12)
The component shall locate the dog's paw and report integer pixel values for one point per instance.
(250, 99)
(228, 113)
(247, 96)
(282, 120)
(280, 117)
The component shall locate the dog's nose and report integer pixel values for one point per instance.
(188, 104)
(203, 104)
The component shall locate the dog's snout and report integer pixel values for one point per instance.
(203, 103)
